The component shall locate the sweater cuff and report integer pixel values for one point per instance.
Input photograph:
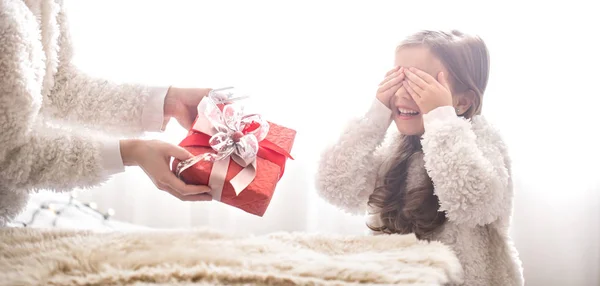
(379, 115)
(112, 162)
(153, 114)
(443, 113)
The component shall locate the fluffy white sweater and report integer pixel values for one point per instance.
(44, 103)
(470, 168)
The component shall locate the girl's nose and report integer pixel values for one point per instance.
(401, 93)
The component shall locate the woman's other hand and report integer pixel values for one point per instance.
(154, 158)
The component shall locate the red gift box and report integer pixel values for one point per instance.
(270, 162)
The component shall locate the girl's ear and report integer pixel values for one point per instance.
(463, 101)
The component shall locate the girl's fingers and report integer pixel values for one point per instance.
(418, 90)
(392, 82)
(414, 78)
(394, 89)
(423, 75)
(443, 80)
(411, 91)
(392, 75)
(395, 69)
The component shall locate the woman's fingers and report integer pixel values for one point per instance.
(184, 192)
(199, 197)
(182, 188)
(171, 181)
(175, 183)
(154, 156)
(177, 152)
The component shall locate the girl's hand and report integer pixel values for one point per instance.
(389, 85)
(153, 157)
(426, 91)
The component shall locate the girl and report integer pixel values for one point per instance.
(446, 175)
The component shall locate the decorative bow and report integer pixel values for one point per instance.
(233, 135)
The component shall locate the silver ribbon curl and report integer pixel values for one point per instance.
(226, 95)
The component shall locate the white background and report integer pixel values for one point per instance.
(311, 65)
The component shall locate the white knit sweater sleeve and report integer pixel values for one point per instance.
(118, 108)
(348, 170)
(33, 155)
(469, 171)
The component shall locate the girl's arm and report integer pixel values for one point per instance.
(348, 170)
(470, 172)
(121, 109)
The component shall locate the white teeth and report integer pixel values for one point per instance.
(407, 111)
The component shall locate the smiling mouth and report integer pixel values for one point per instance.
(407, 112)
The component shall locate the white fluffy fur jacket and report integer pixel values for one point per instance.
(470, 168)
(41, 91)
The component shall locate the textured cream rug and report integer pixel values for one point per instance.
(202, 257)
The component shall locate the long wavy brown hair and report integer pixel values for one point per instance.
(415, 209)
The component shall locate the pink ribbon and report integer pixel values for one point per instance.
(234, 136)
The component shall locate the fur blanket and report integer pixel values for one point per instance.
(203, 257)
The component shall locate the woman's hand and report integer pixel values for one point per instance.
(390, 85)
(154, 158)
(426, 91)
(182, 104)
